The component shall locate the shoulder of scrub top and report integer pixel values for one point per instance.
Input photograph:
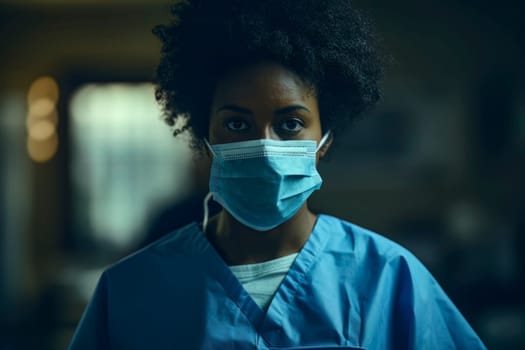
(185, 242)
(345, 239)
(366, 251)
(362, 243)
(370, 255)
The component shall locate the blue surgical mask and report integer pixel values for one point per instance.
(263, 183)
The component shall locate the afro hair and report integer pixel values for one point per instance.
(327, 43)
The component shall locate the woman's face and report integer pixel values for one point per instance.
(263, 101)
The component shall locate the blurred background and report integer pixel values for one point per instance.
(89, 172)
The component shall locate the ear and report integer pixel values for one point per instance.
(324, 149)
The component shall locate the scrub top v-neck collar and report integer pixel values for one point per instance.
(269, 321)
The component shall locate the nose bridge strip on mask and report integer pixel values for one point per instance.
(266, 147)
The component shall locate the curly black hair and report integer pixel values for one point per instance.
(327, 43)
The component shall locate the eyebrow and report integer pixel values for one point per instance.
(284, 110)
(235, 109)
(291, 109)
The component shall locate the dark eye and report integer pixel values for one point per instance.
(236, 125)
(292, 125)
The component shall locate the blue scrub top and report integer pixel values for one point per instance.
(348, 288)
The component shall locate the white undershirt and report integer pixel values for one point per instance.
(262, 280)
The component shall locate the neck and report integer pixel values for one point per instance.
(239, 244)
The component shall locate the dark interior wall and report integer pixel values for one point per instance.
(62, 37)
(456, 74)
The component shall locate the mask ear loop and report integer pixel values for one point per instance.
(323, 140)
(210, 148)
(206, 212)
(209, 195)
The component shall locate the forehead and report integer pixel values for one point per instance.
(263, 81)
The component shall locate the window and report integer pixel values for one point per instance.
(125, 164)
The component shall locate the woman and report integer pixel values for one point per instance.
(264, 88)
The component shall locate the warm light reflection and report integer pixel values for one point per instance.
(42, 119)
(125, 163)
(43, 87)
(41, 108)
(42, 130)
(52, 118)
(42, 151)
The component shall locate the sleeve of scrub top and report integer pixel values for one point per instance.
(91, 332)
(431, 320)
